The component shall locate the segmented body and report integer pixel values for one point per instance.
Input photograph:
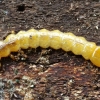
(54, 39)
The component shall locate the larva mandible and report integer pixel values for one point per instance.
(54, 39)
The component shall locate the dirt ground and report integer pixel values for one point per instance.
(48, 74)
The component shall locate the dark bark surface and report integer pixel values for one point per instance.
(48, 74)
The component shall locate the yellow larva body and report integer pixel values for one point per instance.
(54, 39)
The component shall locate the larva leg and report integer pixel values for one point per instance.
(20, 56)
(12, 57)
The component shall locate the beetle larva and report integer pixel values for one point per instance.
(54, 39)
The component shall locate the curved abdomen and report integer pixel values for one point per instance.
(54, 39)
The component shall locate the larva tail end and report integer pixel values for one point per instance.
(95, 59)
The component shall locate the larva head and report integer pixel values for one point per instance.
(95, 58)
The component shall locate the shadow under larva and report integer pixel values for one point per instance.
(54, 39)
